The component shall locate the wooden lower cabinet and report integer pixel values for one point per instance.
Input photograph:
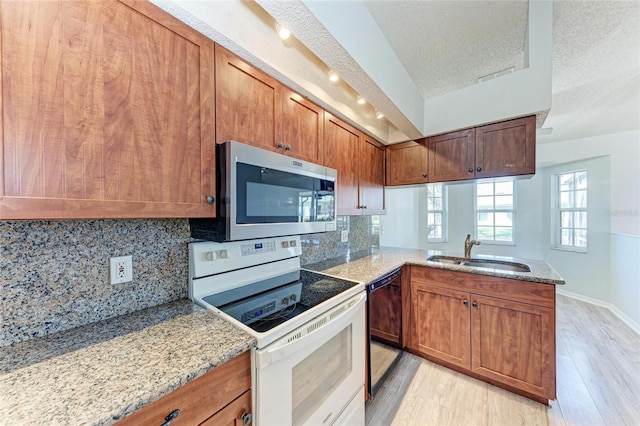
(220, 397)
(486, 327)
(441, 323)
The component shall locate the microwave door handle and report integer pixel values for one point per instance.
(282, 348)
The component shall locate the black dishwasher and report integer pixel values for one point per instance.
(385, 328)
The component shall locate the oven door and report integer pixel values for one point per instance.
(310, 375)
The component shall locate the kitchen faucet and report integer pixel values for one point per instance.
(468, 245)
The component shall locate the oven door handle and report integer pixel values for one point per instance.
(320, 327)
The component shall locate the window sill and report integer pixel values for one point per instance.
(569, 249)
(497, 243)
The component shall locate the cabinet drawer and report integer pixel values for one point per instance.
(233, 413)
(200, 398)
(521, 291)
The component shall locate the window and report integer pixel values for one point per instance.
(571, 214)
(436, 212)
(495, 211)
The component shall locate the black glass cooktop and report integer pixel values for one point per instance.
(267, 304)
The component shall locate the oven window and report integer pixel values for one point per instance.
(272, 196)
(319, 374)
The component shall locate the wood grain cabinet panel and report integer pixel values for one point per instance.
(246, 102)
(386, 321)
(452, 156)
(233, 414)
(359, 161)
(511, 344)
(203, 397)
(107, 112)
(299, 127)
(506, 149)
(371, 176)
(407, 162)
(498, 330)
(440, 324)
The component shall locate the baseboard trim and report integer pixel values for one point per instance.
(614, 309)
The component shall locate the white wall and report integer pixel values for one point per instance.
(608, 274)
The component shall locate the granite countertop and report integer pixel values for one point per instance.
(368, 265)
(99, 373)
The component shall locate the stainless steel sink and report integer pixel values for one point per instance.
(481, 263)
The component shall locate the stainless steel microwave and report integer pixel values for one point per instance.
(265, 194)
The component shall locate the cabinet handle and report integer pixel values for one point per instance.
(280, 145)
(246, 419)
(474, 304)
(465, 302)
(287, 148)
(470, 169)
(363, 207)
(210, 199)
(424, 175)
(479, 169)
(171, 417)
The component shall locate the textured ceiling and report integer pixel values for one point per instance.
(447, 45)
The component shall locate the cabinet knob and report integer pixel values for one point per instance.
(363, 207)
(465, 302)
(479, 169)
(470, 169)
(171, 417)
(474, 304)
(246, 419)
(287, 148)
(424, 175)
(210, 199)
(280, 145)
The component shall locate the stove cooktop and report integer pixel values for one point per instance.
(263, 307)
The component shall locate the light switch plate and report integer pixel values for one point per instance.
(121, 269)
(344, 236)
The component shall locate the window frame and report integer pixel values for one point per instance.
(556, 213)
(444, 211)
(512, 210)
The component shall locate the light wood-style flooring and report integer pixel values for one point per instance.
(598, 382)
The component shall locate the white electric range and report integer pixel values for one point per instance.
(309, 363)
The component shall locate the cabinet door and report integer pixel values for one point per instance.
(452, 156)
(371, 181)
(385, 306)
(341, 153)
(233, 414)
(407, 162)
(246, 102)
(299, 127)
(108, 109)
(514, 343)
(440, 324)
(200, 398)
(507, 148)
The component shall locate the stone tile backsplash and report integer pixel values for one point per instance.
(54, 275)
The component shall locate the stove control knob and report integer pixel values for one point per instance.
(223, 254)
(292, 243)
(210, 256)
(284, 301)
(293, 297)
(285, 244)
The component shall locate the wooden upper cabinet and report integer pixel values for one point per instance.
(108, 112)
(407, 163)
(341, 153)
(299, 127)
(506, 149)
(359, 161)
(254, 108)
(246, 102)
(371, 183)
(452, 156)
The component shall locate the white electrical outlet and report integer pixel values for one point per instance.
(121, 269)
(344, 236)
